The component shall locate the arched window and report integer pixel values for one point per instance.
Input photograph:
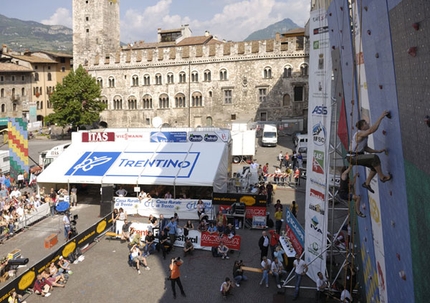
(287, 72)
(147, 102)
(180, 100)
(3, 108)
(23, 91)
(117, 103)
(304, 69)
(286, 100)
(207, 75)
(36, 77)
(197, 100)
(267, 72)
(104, 100)
(209, 121)
(223, 74)
(2, 93)
(182, 77)
(163, 101)
(100, 82)
(135, 80)
(158, 79)
(49, 77)
(195, 76)
(132, 103)
(170, 78)
(41, 104)
(146, 80)
(111, 82)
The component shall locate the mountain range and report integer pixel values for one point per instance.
(270, 31)
(21, 35)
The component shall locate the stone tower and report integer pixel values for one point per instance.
(96, 29)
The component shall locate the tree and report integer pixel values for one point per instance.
(76, 100)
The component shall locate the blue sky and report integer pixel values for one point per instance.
(226, 19)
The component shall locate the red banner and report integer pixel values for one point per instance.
(214, 239)
(294, 241)
(252, 211)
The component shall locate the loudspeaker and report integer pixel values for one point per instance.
(20, 261)
(106, 208)
(107, 193)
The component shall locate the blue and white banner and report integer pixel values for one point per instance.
(185, 208)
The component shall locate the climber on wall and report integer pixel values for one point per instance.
(361, 154)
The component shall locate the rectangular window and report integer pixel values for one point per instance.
(298, 93)
(227, 96)
(262, 94)
(1, 78)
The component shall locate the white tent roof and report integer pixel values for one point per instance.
(134, 162)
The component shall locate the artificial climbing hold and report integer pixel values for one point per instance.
(416, 26)
(412, 51)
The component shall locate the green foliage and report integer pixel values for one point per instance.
(76, 100)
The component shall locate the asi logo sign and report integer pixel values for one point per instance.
(318, 162)
(319, 134)
(320, 110)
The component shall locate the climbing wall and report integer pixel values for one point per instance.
(384, 234)
(18, 146)
(347, 93)
(410, 24)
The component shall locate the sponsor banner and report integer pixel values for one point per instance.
(294, 241)
(230, 198)
(26, 280)
(168, 137)
(213, 239)
(135, 164)
(253, 211)
(320, 71)
(185, 208)
(98, 137)
(296, 228)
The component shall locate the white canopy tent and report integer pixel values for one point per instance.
(138, 160)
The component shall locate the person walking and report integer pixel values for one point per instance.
(300, 270)
(74, 196)
(66, 222)
(175, 276)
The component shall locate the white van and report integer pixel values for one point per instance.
(270, 135)
(301, 140)
(302, 146)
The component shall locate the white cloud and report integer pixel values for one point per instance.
(62, 16)
(235, 21)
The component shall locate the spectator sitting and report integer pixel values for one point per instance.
(226, 287)
(230, 231)
(278, 271)
(212, 228)
(202, 225)
(64, 266)
(135, 237)
(150, 243)
(42, 286)
(188, 247)
(223, 251)
(53, 280)
(238, 273)
(136, 257)
(125, 236)
(220, 229)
